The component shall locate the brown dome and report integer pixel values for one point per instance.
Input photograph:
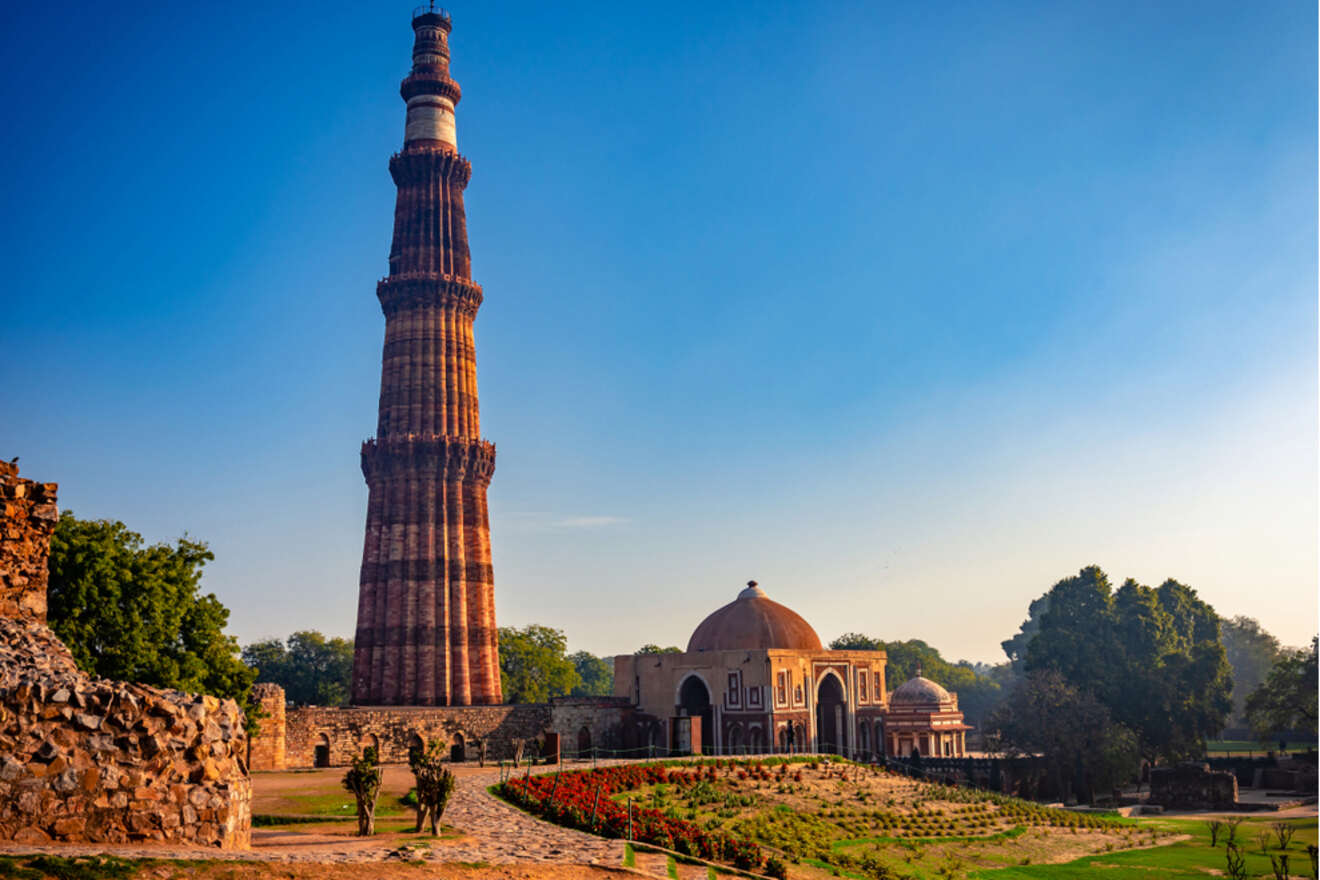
(753, 621)
(919, 691)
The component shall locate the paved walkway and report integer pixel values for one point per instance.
(493, 832)
(501, 834)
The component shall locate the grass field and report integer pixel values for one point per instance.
(1251, 747)
(1189, 856)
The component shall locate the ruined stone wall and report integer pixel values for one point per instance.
(295, 734)
(30, 516)
(603, 719)
(1193, 786)
(89, 760)
(392, 729)
(266, 748)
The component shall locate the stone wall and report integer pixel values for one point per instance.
(289, 738)
(266, 749)
(89, 760)
(346, 731)
(30, 516)
(1193, 786)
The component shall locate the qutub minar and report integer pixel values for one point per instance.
(426, 631)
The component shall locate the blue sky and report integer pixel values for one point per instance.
(904, 310)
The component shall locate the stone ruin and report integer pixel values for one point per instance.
(1193, 786)
(90, 760)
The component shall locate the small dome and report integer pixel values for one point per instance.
(919, 691)
(754, 621)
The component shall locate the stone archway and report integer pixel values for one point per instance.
(584, 741)
(830, 732)
(458, 751)
(371, 741)
(694, 700)
(322, 751)
(734, 744)
(756, 740)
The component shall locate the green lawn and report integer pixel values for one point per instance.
(1188, 858)
(1247, 746)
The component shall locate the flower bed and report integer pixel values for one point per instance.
(570, 799)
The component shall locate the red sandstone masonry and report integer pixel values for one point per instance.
(426, 631)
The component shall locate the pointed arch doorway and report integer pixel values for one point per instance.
(830, 728)
(694, 699)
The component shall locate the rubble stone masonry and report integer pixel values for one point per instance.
(89, 760)
(30, 516)
(290, 739)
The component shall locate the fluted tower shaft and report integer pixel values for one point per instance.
(426, 631)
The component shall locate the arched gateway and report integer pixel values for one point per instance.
(830, 728)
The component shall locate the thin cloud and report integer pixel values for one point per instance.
(530, 521)
(588, 522)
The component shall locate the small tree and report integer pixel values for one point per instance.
(1231, 827)
(1236, 862)
(1279, 865)
(363, 780)
(1284, 832)
(1215, 826)
(434, 783)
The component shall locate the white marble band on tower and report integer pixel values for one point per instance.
(430, 118)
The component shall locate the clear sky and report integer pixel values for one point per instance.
(905, 310)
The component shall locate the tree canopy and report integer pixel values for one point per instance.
(313, 670)
(656, 649)
(595, 675)
(1152, 656)
(133, 612)
(1286, 701)
(1085, 750)
(978, 692)
(136, 613)
(533, 665)
(1251, 653)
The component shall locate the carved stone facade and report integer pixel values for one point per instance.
(757, 675)
(90, 760)
(426, 633)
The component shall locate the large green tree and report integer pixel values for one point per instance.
(134, 612)
(313, 670)
(656, 649)
(1016, 647)
(1084, 749)
(1153, 657)
(1287, 698)
(595, 675)
(533, 665)
(1251, 653)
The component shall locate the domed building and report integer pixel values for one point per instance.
(756, 678)
(923, 717)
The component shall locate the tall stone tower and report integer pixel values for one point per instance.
(426, 608)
